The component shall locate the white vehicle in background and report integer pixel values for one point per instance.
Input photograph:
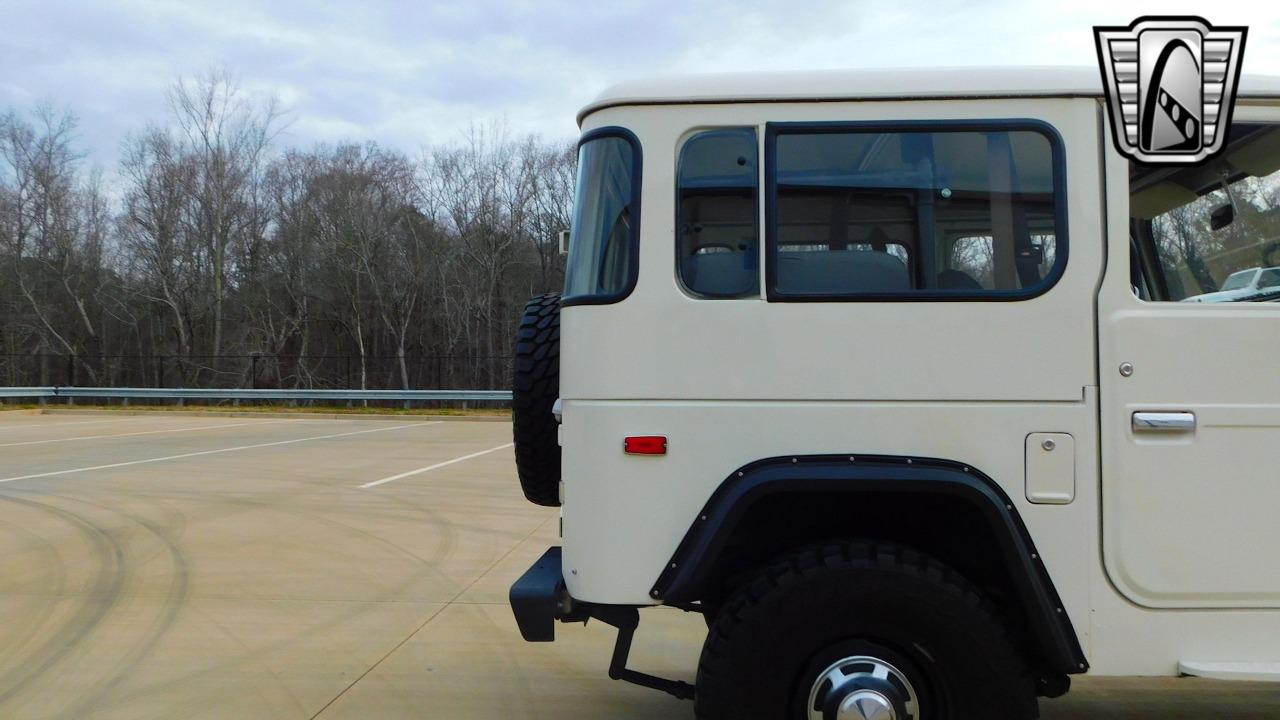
(1243, 284)
(883, 373)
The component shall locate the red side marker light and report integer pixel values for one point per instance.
(645, 445)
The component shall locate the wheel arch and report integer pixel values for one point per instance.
(833, 482)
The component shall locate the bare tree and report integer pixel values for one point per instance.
(206, 245)
(225, 138)
(552, 175)
(152, 229)
(45, 240)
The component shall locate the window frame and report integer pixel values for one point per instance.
(757, 194)
(1057, 155)
(637, 188)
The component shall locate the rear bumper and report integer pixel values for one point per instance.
(537, 598)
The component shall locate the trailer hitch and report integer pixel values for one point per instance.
(626, 620)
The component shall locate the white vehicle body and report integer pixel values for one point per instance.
(1242, 284)
(1160, 542)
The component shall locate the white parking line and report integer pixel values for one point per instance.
(146, 432)
(429, 468)
(52, 424)
(213, 452)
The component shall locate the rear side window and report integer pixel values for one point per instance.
(604, 238)
(717, 238)
(922, 211)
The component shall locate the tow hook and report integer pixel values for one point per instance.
(626, 619)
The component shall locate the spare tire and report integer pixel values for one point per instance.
(534, 389)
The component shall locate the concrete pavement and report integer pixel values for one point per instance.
(207, 567)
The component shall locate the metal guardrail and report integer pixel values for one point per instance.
(250, 394)
(26, 392)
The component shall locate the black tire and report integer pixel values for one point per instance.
(535, 386)
(775, 636)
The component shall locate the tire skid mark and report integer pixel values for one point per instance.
(37, 610)
(311, 503)
(422, 515)
(283, 502)
(173, 603)
(91, 608)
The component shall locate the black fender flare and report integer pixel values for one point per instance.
(682, 579)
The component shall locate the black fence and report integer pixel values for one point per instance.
(313, 372)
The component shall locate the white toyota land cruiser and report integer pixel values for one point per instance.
(886, 374)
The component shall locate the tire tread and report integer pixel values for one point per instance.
(748, 609)
(535, 386)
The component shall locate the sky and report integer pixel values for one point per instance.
(413, 73)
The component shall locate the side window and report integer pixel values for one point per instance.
(943, 211)
(1211, 233)
(601, 267)
(717, 245)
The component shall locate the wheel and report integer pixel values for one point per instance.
(535, 385)
(861, 631)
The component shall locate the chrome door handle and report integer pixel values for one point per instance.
(1164, 421)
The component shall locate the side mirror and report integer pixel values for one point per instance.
(1222, 216)
(564, 242)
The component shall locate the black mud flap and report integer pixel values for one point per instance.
(535, 597)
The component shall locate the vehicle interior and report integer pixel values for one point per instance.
(1194, 227)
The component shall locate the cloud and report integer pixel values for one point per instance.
(412, 73)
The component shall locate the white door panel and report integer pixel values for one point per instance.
(1190, 516)
(1189, 528)
(1191, 513)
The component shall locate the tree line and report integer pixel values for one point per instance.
(214, 257)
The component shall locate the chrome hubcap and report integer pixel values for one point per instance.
(865, 705)
(862, 688)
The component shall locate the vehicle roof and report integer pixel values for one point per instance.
(886, 84)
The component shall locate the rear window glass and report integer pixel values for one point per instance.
(717, 238)
(914, 213)
(601, 266)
